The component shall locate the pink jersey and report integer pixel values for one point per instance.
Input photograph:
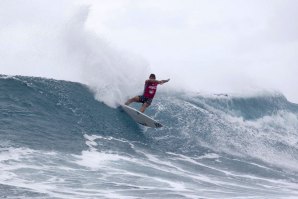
(150, 89)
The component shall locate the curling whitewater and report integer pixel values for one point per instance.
(57, 141)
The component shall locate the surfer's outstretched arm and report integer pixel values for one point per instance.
(164, 81)
(157, 81)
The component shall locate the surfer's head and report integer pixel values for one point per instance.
(152, 76)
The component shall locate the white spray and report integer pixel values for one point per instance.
(49, 39)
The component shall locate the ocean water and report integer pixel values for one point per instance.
(58, 141)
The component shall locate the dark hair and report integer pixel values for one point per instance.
(152, 76)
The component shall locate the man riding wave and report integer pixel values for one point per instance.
(150, 89)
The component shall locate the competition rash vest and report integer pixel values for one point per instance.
(150, 89)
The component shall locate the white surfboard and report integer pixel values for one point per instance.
(140, 118)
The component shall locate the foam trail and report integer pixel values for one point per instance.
(55, 43)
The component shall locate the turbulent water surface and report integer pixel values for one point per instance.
(57, 141)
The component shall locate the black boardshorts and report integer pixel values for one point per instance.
(144, 99)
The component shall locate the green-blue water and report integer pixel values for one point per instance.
(57, 141)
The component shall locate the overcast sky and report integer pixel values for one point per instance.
(212, 46)
(208, 45)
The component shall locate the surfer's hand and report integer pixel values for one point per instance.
(164, 81)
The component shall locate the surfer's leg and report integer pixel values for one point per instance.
(143, 108)
(134, 99)
(146, 103)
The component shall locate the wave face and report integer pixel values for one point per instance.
(57, 141)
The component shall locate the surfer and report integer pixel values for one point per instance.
(149, 92)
